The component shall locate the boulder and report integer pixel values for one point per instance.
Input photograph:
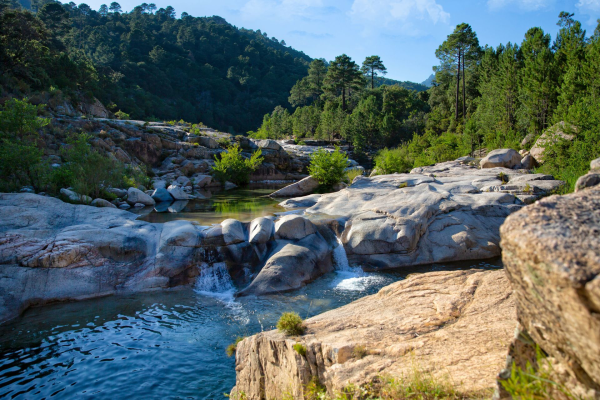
(102, 203)
(183, 181)
(233, 231)
(301, 202)
(269, 144)
(587, 181)
(527, 139)
(124, 206)
(294, 227)
(528, 162)
(75, 197)
(551, 135)
(162, 195)
(301, 188)
(551, 252)
(178, 194)
(138, 205)
(206, 141)
(137, 196)
(291, 266)
(261, 230)
(201, 181)
(229, 185)
(507, 158)
(595, 164)
(118, 192)
(455, 325)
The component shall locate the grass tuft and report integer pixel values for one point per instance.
(290, 323)
(231, 349)
(300, 349)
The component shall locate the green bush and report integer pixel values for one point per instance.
(290, 323)
(232, 348)
(224, 142)
(394, 160)
(300, 349)
(328, 168)
(352, 173)
(122, 115)
(231, 166)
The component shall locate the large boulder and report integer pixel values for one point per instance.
(551, 252)
(233, 231)
(162, 195)
(269, 144)
(261, 230)
(455, 325)
(294, 227)
(301, 188)
(136, 196)
(292, 265)
(507, 158)
(75, 197)
(559, 131)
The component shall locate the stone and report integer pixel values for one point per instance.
(301, 188)
(301, 202)
(229, 185)
(453, 324)
(439, 213)
(595, 164)
(159, 184)
(528, 162)
(527, 139)
(291, 266)
(269, 144)
(102, 203)
(551, 135)
(233, 231)
(261, 230)
(201, 181)
(138, 205)
(183, 181)
(178, 194)
(137, 196)
(339, 186)
(586, 181)
(118, 192)
(75, 197)
(551, 253)
(124, 206)
(507, 158)
(162, 195)
(293, 227)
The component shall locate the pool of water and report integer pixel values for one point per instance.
(243, 204)
(160, 345)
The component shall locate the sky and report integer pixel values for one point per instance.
(404, 33)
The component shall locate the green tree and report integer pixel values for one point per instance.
(310, 88)
(461, 49)
(343, 76)
(371, 67)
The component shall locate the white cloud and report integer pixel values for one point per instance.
(411, 17)
(280, 8)
(527, 5)
(591, 8)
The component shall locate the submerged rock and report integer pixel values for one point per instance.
(455, 325)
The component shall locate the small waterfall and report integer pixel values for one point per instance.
(340, 259)
(214, 278)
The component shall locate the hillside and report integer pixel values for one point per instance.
(419, 87)
(150, 64)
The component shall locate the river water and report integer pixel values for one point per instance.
(165, 344)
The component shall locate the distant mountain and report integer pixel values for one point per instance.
(429, 81)
(405, 84)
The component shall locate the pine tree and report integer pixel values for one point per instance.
(343, 76)
(371, 66)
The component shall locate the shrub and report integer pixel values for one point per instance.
(328, 168)
(300, 349)
(231, 166)
(231, 349)
(359, 352)
(290, 323)
(224, 142)
(353, 173)
(122, 115)
(395, 160)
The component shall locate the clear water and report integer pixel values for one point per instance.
(243, 204)
(160, 345)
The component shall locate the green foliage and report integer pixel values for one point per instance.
(352, 173)
(290, 323)
(232, 166)
(224, 142)
(300, 349)
(122, 115)
(371, 67)
(343, 77)
(231, 349)
(394, 160)
(328, 168)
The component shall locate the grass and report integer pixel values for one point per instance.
(290, 323)
(353, 173)
(359, 352)
(300, 349)
(231, 349)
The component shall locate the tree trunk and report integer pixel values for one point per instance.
(344, 99)
(457, 88)
(464, 91)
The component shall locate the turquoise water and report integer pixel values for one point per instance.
(158, 345)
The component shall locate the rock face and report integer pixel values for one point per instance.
(507, 158)
(301, 188)
(552, 135)
(446, 323)
(551, 251)
(447, 212)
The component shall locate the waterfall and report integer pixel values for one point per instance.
(340, 259)
(214, 278)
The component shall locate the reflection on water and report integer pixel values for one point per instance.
(159, 345)
(243, 204)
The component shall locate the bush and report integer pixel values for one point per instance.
(328, 168)
(233, 167)
(224, 142)
(290, 323)
(300, 349)
(122, 115)
(394, 160)
(353, 173)
(232, 348)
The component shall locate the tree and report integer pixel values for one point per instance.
(461, 46)
(371, 66)
(103, 10)
(55, 17)
(343, 76)
(151, 8)
(310, 87)
(115, 8)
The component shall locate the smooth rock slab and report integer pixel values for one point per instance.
(455, 325)
(301, 188)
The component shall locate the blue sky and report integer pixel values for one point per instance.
(404, 33)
